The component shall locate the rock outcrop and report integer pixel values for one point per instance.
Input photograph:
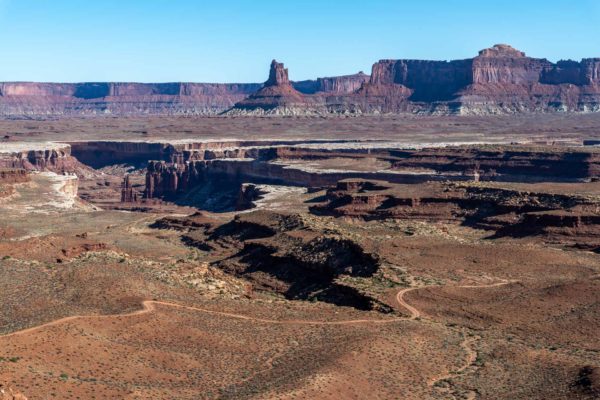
(505, 209)
(278, 75)
(500, 79)
(514, 163)
(128, 193)
(249, 193)
(285, 255)
(277, 96)
(190, 170)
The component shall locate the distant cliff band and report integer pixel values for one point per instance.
(499, 80)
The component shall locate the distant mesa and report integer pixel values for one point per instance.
(499, 80)
(501, 50)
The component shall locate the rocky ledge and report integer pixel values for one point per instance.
(46, 156)
(566, 214)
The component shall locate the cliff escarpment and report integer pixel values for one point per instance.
(499, 80)
(568, 217)
(55, 157)
(190, 177)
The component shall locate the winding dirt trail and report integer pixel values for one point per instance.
(470, 359)
(149, 306)
(414, 313)
(467, 345)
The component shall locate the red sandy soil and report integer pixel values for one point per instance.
(406, 128)
(99, 304)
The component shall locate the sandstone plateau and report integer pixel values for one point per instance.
(499, 80)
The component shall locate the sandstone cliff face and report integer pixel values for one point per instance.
(563, 72)
(99, 154)
(499, 64)
(333, 85)
(428, 80)
(500, 79)
(167, 179)
(503, 64)
(505, 163)
(591, 71)
(40, 157)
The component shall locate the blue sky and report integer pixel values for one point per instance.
(235, 40)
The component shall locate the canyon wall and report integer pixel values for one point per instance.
(120, 89)
(428, 80)
(333, 85)
(13, 176)
(98, 154)
(39, 157)
(169, 180)
(179, 98)
(164, 180)
(505, 164)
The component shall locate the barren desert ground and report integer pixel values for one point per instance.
(290, 258)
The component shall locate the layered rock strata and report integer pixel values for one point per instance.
(289, 165)
(165, 180)
(514, 163)
(505, 209)
(500, 79)
(53, 157)
(30, 99)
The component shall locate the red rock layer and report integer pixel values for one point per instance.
(56, 159)
(337, 85)
(567, 219)
(497, 162)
